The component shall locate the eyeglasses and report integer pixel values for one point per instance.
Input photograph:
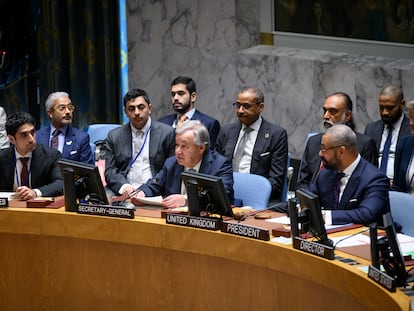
(62, 108)
(323, 150)
(246, 106)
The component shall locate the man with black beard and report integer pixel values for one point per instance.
(393, 123)
(183, 97)
(350, 189)
(337, 109)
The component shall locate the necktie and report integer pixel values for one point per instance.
(240, 148)
(336, 190)
(24, 174)
(54, 142)
(182, 119)
(386, 151)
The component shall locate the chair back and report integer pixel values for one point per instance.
(98, 132)
(402, 210)
(254, 190)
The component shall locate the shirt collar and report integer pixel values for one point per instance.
(350, 169)
(145, 127)
(256, 125)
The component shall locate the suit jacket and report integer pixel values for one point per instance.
(45, 173)
(76, 146)
(375, 129)
(168, 180)
(4, 141)
(118, 152)
(365, 197)
(270, 152)
(311, 161)
(212, 125)
(403, 156)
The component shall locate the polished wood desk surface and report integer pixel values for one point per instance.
(56, 260)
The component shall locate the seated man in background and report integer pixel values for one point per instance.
(350, 189)
(192, 152)
(28, 169)
(61, 135)
(337, 109)
(4, 141)
(136, 151)
(404, 159)
(183, 98)
(253, 144)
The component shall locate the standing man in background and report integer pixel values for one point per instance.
(61, 135)
(4, 141)
(253, 144)
(337, 109)
(136, 151)
(183, 97)
(392, 126)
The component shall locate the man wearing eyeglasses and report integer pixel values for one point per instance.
(350, 189)
(337, 109)
(253, 144)
(61, 135)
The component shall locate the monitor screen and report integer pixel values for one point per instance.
(84, 180)
(206, 195)
(309, 204)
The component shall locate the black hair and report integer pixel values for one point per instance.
(16, 120)
(187, 81)
(134, 93)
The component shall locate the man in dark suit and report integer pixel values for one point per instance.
(337, 109)
(135, 152)
(183, 97)
(404, 159)
(192, 152)
(253, 144)
(28, 169)
(61, 135)
(350, 189)
(393, 123)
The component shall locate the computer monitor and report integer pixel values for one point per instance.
(82, 183)
(386, 252)
(206, 195)
(310, 207)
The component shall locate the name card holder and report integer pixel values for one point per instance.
(314, 248)
(4, 202)
(382, 278)
(193, 221)
(245, 231)
(106, 210)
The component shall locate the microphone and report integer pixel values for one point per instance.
(289, 175)
(350, 236)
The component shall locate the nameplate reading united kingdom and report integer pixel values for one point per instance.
(106, 210)
(245, 230)
(193, 221)
(314, 248)
(382, 278)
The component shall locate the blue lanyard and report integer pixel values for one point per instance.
(140, 149)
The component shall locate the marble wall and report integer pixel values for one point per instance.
(216, 43)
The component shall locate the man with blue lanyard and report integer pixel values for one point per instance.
(136, 151)
(29, 169)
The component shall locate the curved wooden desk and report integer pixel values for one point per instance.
(55, 260)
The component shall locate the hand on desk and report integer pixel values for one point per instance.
(25, 193)
(174, 200)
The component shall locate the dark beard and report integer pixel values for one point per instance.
(183, 109)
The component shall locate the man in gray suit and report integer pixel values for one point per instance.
(253, 144)
(393, 125)
(135, 152)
